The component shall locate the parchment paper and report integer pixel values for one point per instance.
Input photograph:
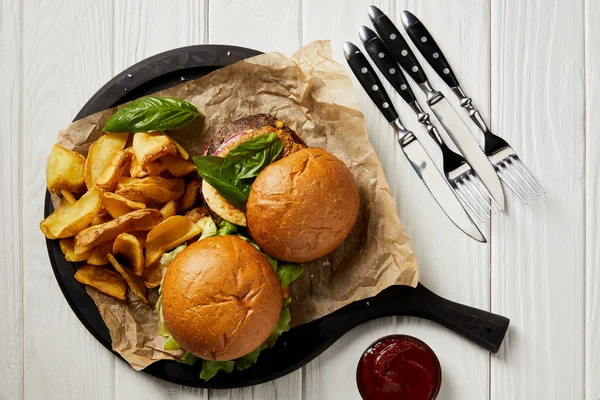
(313, 95)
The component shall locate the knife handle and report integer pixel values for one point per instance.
(425, 43)
(369, 81)
(382, 58)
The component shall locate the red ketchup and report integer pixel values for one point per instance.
(399, 367)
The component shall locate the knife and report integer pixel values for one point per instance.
(454, 126)
(421, 162)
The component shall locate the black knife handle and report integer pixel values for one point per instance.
(425, 43)
(395, 42)
(383, 59)
(369, 81)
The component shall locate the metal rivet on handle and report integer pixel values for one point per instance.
(404, 52)
(381, 54)
(415, 68)
(375, 88)
(446, 71)
(435, 55)
(364, 70)
(385, 105)
(393, 36)
(403, 86)
(392, 71)
(423, 39)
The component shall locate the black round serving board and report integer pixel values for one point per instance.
(301, 344)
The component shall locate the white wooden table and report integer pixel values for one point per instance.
(533, 68)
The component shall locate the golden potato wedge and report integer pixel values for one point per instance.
(101, 153)
(129, 248)
(125, 180)
(153, 275)
(117, 205)
(98, 255)
(153, 189)
(195, 214)
(108, 282)
(108, 178)
(135, 169)
(66, 246)
(150, 146)
(135, 283)
(141, 237)
(190, 197)
(67, 221)
(167, 235)
(221, 207)
(182, 153)
(176, 166)
(68, 196)
(131, 154)
(78, 250)
(65, 170)
(169, 209)
(101, 218)
(138, 220)
(155, 168)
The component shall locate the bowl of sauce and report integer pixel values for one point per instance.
(399, 367)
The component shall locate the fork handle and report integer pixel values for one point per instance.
(426, 44)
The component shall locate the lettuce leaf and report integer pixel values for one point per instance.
(226, 228)
(171, 344)
(166, 258)
(288, 273)
(210, 368)
(208, 229)
(188, 358)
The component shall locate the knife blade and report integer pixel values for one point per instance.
(422, 163)
(459, 133)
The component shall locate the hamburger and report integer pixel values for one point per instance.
(298, 203)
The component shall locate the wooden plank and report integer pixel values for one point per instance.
(141, 30)
(67, 57)
(11, 165)
(266, 25)
(592, 199)
(538, 250)
(450, 263)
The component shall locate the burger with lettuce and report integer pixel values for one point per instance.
(274, 204)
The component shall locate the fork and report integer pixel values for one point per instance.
(509, 167)
(458, 172)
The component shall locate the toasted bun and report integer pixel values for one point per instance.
(221, 298)
(303, 206)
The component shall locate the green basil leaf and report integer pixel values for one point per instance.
(188, 358)
(151, 114)
(288, 273)
(210, 368)
(226, 228)
(246, 160)
(209, 169)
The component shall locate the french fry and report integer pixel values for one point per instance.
(108, 282)
(153, 275)
(66, 246)
(68, 196)
(195, 214)
(65, 222)
(169, 209)
(108, 178)
(65, 170)
(150, 146)
(117, 205)
(176, 166)
(167, 235)
(138, 220)
(155, 168)
(222, 207)
(190, 196)
(101, 218)
(182, 153)
(101, 153)
(128, 247)
(153, 189)
(99, 253)
(135, 283)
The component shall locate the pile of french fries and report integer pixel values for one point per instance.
(135, 197)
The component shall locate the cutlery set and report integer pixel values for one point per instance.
(471, 179)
